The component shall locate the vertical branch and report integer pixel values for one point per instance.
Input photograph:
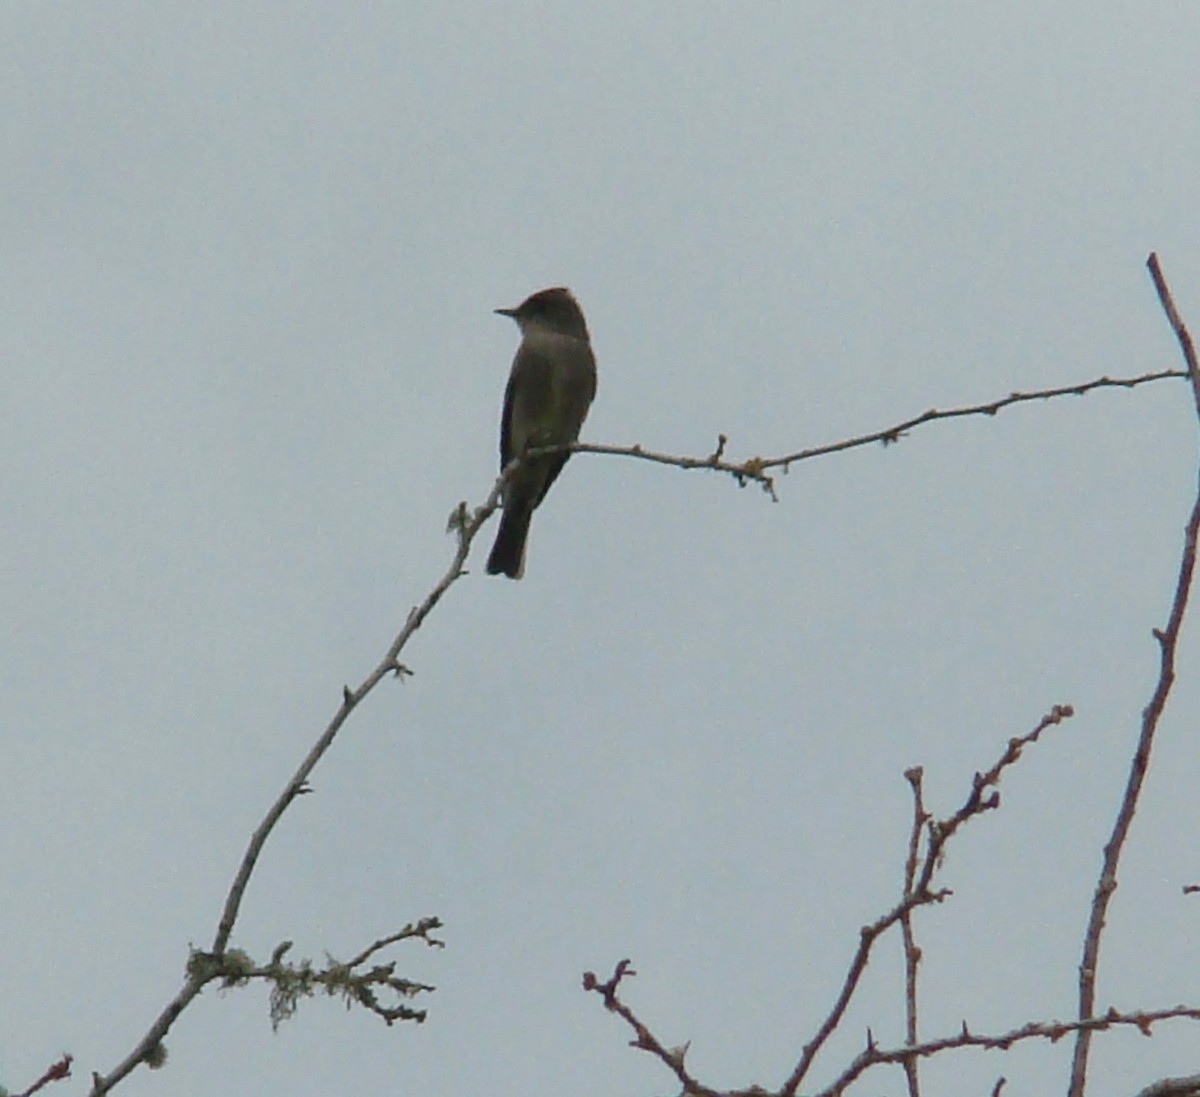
(1177, 325)
(1168, 640)
(912, 954)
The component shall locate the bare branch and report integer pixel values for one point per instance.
(466, 525)
(917, 892)
(873, 1056)
(920, 893)
(756, 469)
(900, 430)
(1168, 639)
(867, 936)
(149, 1048)
(752, 470)
(912, 954)
(55, 1072)
(979, 799)
(1186, 347)
(644, 1039)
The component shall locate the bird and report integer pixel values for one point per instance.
(550, 388)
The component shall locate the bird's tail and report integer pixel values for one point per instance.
(508, 553)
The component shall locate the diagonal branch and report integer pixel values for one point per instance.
(644, 1039)
(1186, 346)
(982, 798)
(467, 525)
(56, 1072)
(1168, 640)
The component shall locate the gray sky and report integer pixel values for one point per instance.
(250, 365)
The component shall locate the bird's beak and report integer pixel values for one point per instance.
(505, 312)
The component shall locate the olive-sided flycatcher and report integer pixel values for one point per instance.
(550, 388)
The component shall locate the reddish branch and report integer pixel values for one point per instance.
(56, 1072)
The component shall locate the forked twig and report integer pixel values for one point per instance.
(919, 873)
(982, 798)
(644, 1039)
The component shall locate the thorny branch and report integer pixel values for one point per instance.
(918, 892)
(872, 1055)
(643, 1038)
(1168, 640)
(756, 469)
(912, 954)
(467, 525)
(982, 798)
(938, 834)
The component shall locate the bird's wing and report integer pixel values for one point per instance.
(506, 441)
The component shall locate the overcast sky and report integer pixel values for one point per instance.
(250, 365)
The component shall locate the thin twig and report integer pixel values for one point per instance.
(744, 472)
(755, 469)
(1168, 639)
(867, 936)
(423, 929)
(894, 434)
(644, 1039)
(978, 801)
(873, 1055)
(912, 954)
(56, 1072)
(351, 698)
